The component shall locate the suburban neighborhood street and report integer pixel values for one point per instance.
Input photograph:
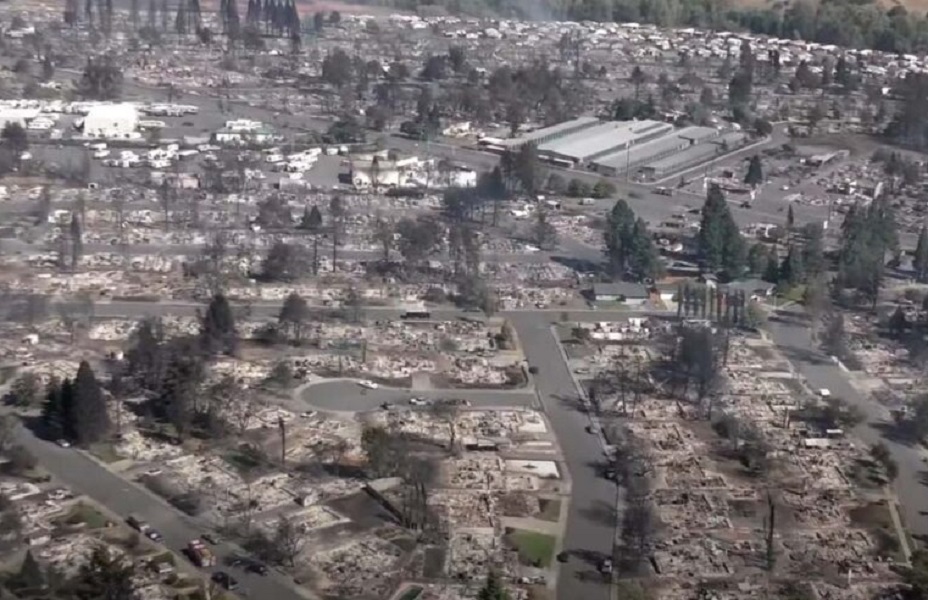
(592, 517)
(793, 337)
(85, 476)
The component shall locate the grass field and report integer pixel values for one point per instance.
(550, 510)
(86, 514)
(535, 549)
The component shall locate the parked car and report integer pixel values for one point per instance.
(154, 535)
(212, 538)
(257, 568)
(225, 580)
(368, 384)
(63, 443)
(418, 402)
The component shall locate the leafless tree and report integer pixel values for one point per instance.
(8, 425)
(289, 540)
(448, 412)
(384, 235)
(418, 475)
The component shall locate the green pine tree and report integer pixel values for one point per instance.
(755, 175)
(217, 327)
(791, 271)
(772, 270)
(720, 242)
(90, 417)
(619, 223)
(493, 588)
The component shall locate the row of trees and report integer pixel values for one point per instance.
(729, 307)
(76, 410)
(275, 17)
(869, 235)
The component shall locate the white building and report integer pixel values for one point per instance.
(112, 121)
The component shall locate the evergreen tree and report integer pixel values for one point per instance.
(165, 16)
(71, 10)
(58, 410)
(108, 12)
(312, 218)
(720, 241)
(813, 250)
(180, 19)
(790, 219)
(868, 234)
(77, 241)
(91, 419)
(755, 175)
(104, 577)
(217, 327)
(644, 260)
(194, 14)
(31, 575)
(920, 260)
(619, 224)
(757, 258)
(178, 398)
(493, 588)
(791, 271)
(232, 21)
(134, 14)
(772, 270)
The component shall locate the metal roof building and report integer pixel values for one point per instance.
(603, 139)
(696, 154)
(548, 134)
(664, 146)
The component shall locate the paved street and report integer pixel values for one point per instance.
(591, 520)
(84, 476)
(793, 338)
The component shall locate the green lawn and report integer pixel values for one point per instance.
(412, 593)
(876, 518)
(550, 510)
(84, 513)
(105, 452)
(534, 548)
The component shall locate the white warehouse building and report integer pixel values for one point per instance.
(112, 121)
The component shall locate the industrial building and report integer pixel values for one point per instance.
(628, 161)
(112, 121)
(631, 148)
(549, 134)
(694, 155)
(606, 138)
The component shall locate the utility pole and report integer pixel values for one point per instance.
(283, 440)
